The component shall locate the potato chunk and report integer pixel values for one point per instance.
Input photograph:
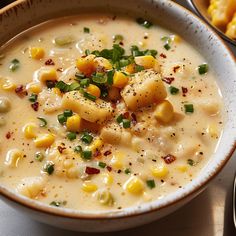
(111, 134)
(97, 111)
(145, 88)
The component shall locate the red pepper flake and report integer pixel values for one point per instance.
(109, 168)
(163, 55)
(60, 149)
(8, 135)
(60, 69)
(97, 153)
(49, 62)
(126, 115)
(169, 158)
(106, 153)
(92, 171)
(35, 106)
(113, 105)
(176, 68)
(184, 91)
(133, 119)
(21, 91)
(168, 80)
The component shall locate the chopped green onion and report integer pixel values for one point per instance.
(124, 62)
(68, 113)
(203, 69)
(84, 83)
(173, 90)
(39, 156)
(87, 138)
(120, 118)
(118, 38)
(79, 75)
(151, 52)
(71, 136)
(86, 154)
(144, 23)
(188, 108)
(14, 65)
(110, 75)
(102, 164)
(74, 86)
(151, 183)
(86, 30)
(55, 203)
(138, 68)
(127, 171)
(166, 39)
(62, 86)
(33, 97)
(49, 167)
(167, 46)
(61, 118)
(87, 52)
(126, 123)
(99, 78)
(43, 122)
(78, 149)
(64, 40)
(191, 162)
(90, 96)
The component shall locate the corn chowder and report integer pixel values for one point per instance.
(104, 112)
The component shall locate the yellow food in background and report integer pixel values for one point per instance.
(231, 28)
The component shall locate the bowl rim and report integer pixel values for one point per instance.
(76, 214)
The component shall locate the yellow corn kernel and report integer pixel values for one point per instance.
(164, 111)
(89, 187)
(48, 75)
(30, 131)
(107, 178)
(34, 88)
(13, 157)
(130, 68)
(94, 90)
(86, 65)
(117, 160)
(213, 131)
(97, 144)
(147, 62)
(44, 140)
(134, 185)
(176, 38)
(182, 168)
(160, 171)
(8, 85)
(57, 91)
(36, 53)
(120, 79)
(102, 62)
(73, 123)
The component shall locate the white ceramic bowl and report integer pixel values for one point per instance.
(24, 14)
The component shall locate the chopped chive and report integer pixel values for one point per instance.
(90, 96)
(203, 69)
(151, 52)
(78, 149)
(39, 156)
(151, 183)
(127, 171)
(74, 86)
(87, 138)
(33, 97)
(167, 46)
(68, 113)
(110, 75)
(86, 154)
(62, 86)
(118, 38)
(138, 68)
(120, 118)
(126, 123)
(61, 118)
(87, 52)
(43, 122)
(79, 75)
(55, 203)
(84, 83)
(71, 136)
(86, 30)
(99, 78)
(124, 62)
(144, 23)
(173, 90)
(191, 162)
(188, 108)
(14, 65)
(49, 167)
(102, 164)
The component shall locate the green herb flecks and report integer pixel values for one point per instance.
(14, 65)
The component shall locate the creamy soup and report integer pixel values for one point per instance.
(104, 112)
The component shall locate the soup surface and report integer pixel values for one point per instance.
(104, 112)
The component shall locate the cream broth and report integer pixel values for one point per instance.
(151, 127)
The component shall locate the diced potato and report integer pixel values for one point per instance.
(98, 111)
(164, 111)
(94, 90)
(147, 62)
(13, 157)
(30, 131)
(86, 65)
(89, 187)
(120, 80)
(102, 62)
(231, 28)
(144, 89)
(107, 179)
(73, 123)
(213, 131)
(44, 140)
(73, 172)
(134, 185)
(36, 53)
(47, 74)
(160, 171)
(210, 107)
(5, 105)
(111, 134)
(117, 160)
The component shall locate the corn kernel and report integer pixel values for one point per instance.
(34, 88)
(120, 79)
(160, 171)
(44, 140)
(94, 90)
(164, 112)
(102, 62)
(96, 145)
(134, 185)
(48, 75)
(117, 160)
(176, 39)
(213, 131)
(30, 131)
(130, 68)
(8, 85)
(73, 123)
(147, 62)
(86, 65)
(107, 178)
(89, 187)
(13, 157)
(182, 168)
(36, 53)
(57, 91)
